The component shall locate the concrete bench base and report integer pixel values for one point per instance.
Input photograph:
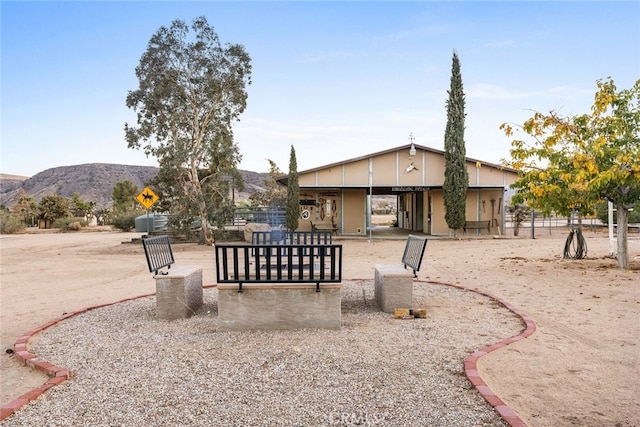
(179, 293)
(393, 287)
(278, 306)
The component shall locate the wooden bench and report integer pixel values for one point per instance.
(324, 226)
(394, 283)
(477, 225)
(278, 286)
(178, 290)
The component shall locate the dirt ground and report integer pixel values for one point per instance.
(579, 368)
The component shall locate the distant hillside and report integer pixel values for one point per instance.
(95, 182)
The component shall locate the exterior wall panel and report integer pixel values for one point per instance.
(307, 179)
(354, 208)
(329, 177)
(356, 173)
(438, 224)
(434, 169)
(385, 170)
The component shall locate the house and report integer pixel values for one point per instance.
(340, 193)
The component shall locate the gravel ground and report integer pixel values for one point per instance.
(130, 369)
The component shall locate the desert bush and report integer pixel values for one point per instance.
(70, 223)
(9, 224)
(75, 226)
(125, 221)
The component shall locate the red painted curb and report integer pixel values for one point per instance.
(60, 374)
(471, 362)
(57, 374)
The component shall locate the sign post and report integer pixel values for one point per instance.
(147, 198)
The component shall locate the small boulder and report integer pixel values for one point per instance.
(254, 226)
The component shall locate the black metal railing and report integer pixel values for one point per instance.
(272, 216)
(269, 263)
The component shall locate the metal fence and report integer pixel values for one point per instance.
(271, 216)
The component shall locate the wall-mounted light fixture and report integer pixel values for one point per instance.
(412, 150)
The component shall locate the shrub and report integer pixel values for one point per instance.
(602, 212)
(70, 223)
(9, 224)
(125, 221)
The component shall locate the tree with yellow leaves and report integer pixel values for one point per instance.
(575, 162)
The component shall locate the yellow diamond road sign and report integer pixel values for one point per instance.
(147, 197)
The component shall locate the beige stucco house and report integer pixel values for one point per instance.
(339, 193)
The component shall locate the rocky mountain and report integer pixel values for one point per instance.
(95, 182)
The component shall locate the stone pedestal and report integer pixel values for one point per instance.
(278, 306)
(178, 293)
(393, 287)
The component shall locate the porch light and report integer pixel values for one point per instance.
(412, 150)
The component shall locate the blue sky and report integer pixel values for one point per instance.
(336, 80)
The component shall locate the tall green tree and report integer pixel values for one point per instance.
(456, 176)
(80, 207)
(123, 196)
(293, 193)
(52, 207)
(577, 161)
(191, 91)
(25, 208)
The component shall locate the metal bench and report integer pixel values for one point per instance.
(158, 251)
(393, 283)
(179, 291)
(477, 225)
(324, 226)
(282, 237)
(278, 263)
(413, 253)
(291, 237)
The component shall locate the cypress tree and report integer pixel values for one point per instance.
(293, 193)
(456, 177)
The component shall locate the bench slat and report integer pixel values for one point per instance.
(280, 237)
(477, 225)
(414, 252)
(324, 225)
(158, 252)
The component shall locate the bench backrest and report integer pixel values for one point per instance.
(158, 251)
(321, 237)
(413, 252)
(283, 237)
(291, 237)
(237, 263)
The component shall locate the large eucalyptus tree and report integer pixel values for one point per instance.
(191, 89)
